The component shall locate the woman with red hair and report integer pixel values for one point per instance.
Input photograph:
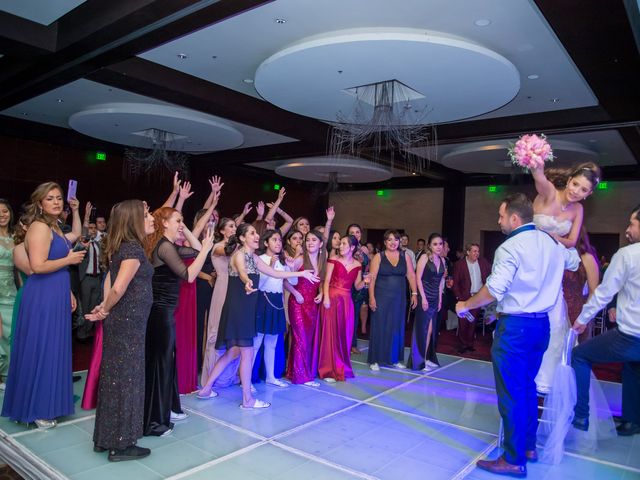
(162, 400)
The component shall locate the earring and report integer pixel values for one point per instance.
(41, 210)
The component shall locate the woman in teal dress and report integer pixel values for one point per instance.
(21, 263)
(7, 283)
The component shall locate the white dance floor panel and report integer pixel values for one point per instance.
(391, 424)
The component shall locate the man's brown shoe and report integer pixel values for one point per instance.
(532, 456)
(502, 467)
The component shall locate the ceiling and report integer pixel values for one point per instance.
(254, 83)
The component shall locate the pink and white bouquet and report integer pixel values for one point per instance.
(531, 151)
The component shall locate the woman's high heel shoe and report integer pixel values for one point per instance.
(45, 424)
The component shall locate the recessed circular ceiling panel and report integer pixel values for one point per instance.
(340, 169)
(131, 123)
(492, 157)
(454, 77)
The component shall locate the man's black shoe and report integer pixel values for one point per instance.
(77, 378)
(626, 429)
(581, 424)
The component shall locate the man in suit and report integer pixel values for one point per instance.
(469, 275)
(90, 281)
(526, 288)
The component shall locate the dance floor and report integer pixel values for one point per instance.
(390, 424)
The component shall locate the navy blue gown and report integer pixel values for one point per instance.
(386, 343)
(39, 385)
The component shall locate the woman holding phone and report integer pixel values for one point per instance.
(41, 354)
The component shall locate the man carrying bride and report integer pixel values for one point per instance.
(526, 287)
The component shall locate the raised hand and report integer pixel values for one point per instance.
(281, 193)
(74, 204)
(260, 209)
(185, 191)
(247, 208)
(176, 182)
(87, 212)
(207, 241)
(331, 213)
(216, 186)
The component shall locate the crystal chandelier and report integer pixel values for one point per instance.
(158, 160)
(385, 126)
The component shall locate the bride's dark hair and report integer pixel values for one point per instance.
(560, 176)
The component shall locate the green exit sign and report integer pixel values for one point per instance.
(276, 187)
(493, 188)
(380, 193)
(603, 186)
(102, 156)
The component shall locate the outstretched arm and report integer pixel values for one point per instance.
(204, 220)
(171, 200)
(273, 207)
(331, 214)
(544, 187)
(245, 212)
(184, 193)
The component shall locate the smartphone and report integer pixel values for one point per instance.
(71, 191)
(78, 247)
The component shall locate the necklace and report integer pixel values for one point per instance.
(563, 208)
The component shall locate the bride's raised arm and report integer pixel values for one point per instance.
(544, 187)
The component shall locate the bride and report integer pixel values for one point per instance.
(558, 211)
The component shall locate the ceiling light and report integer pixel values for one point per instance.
(59, 100)
(25, 114)
(413, 173)
(248, 80)
(555, 100)
(182, 56)
(482, 22)
(533, 76)
(280, 20)
(214, 56)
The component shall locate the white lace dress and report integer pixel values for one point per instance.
(558, 318)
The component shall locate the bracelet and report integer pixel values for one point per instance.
(414, 293)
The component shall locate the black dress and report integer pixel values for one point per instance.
(121, 389)
(161, 386)
(386, 344)
(204, 291)
(238, 319)
(431, 278)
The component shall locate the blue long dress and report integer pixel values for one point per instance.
(39, 385)
(386, 343)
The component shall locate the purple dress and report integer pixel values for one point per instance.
(39, 384)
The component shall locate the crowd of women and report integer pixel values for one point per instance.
(186, 311)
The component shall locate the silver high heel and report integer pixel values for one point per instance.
(46, 424)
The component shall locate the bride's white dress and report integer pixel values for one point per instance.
(558, 318)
